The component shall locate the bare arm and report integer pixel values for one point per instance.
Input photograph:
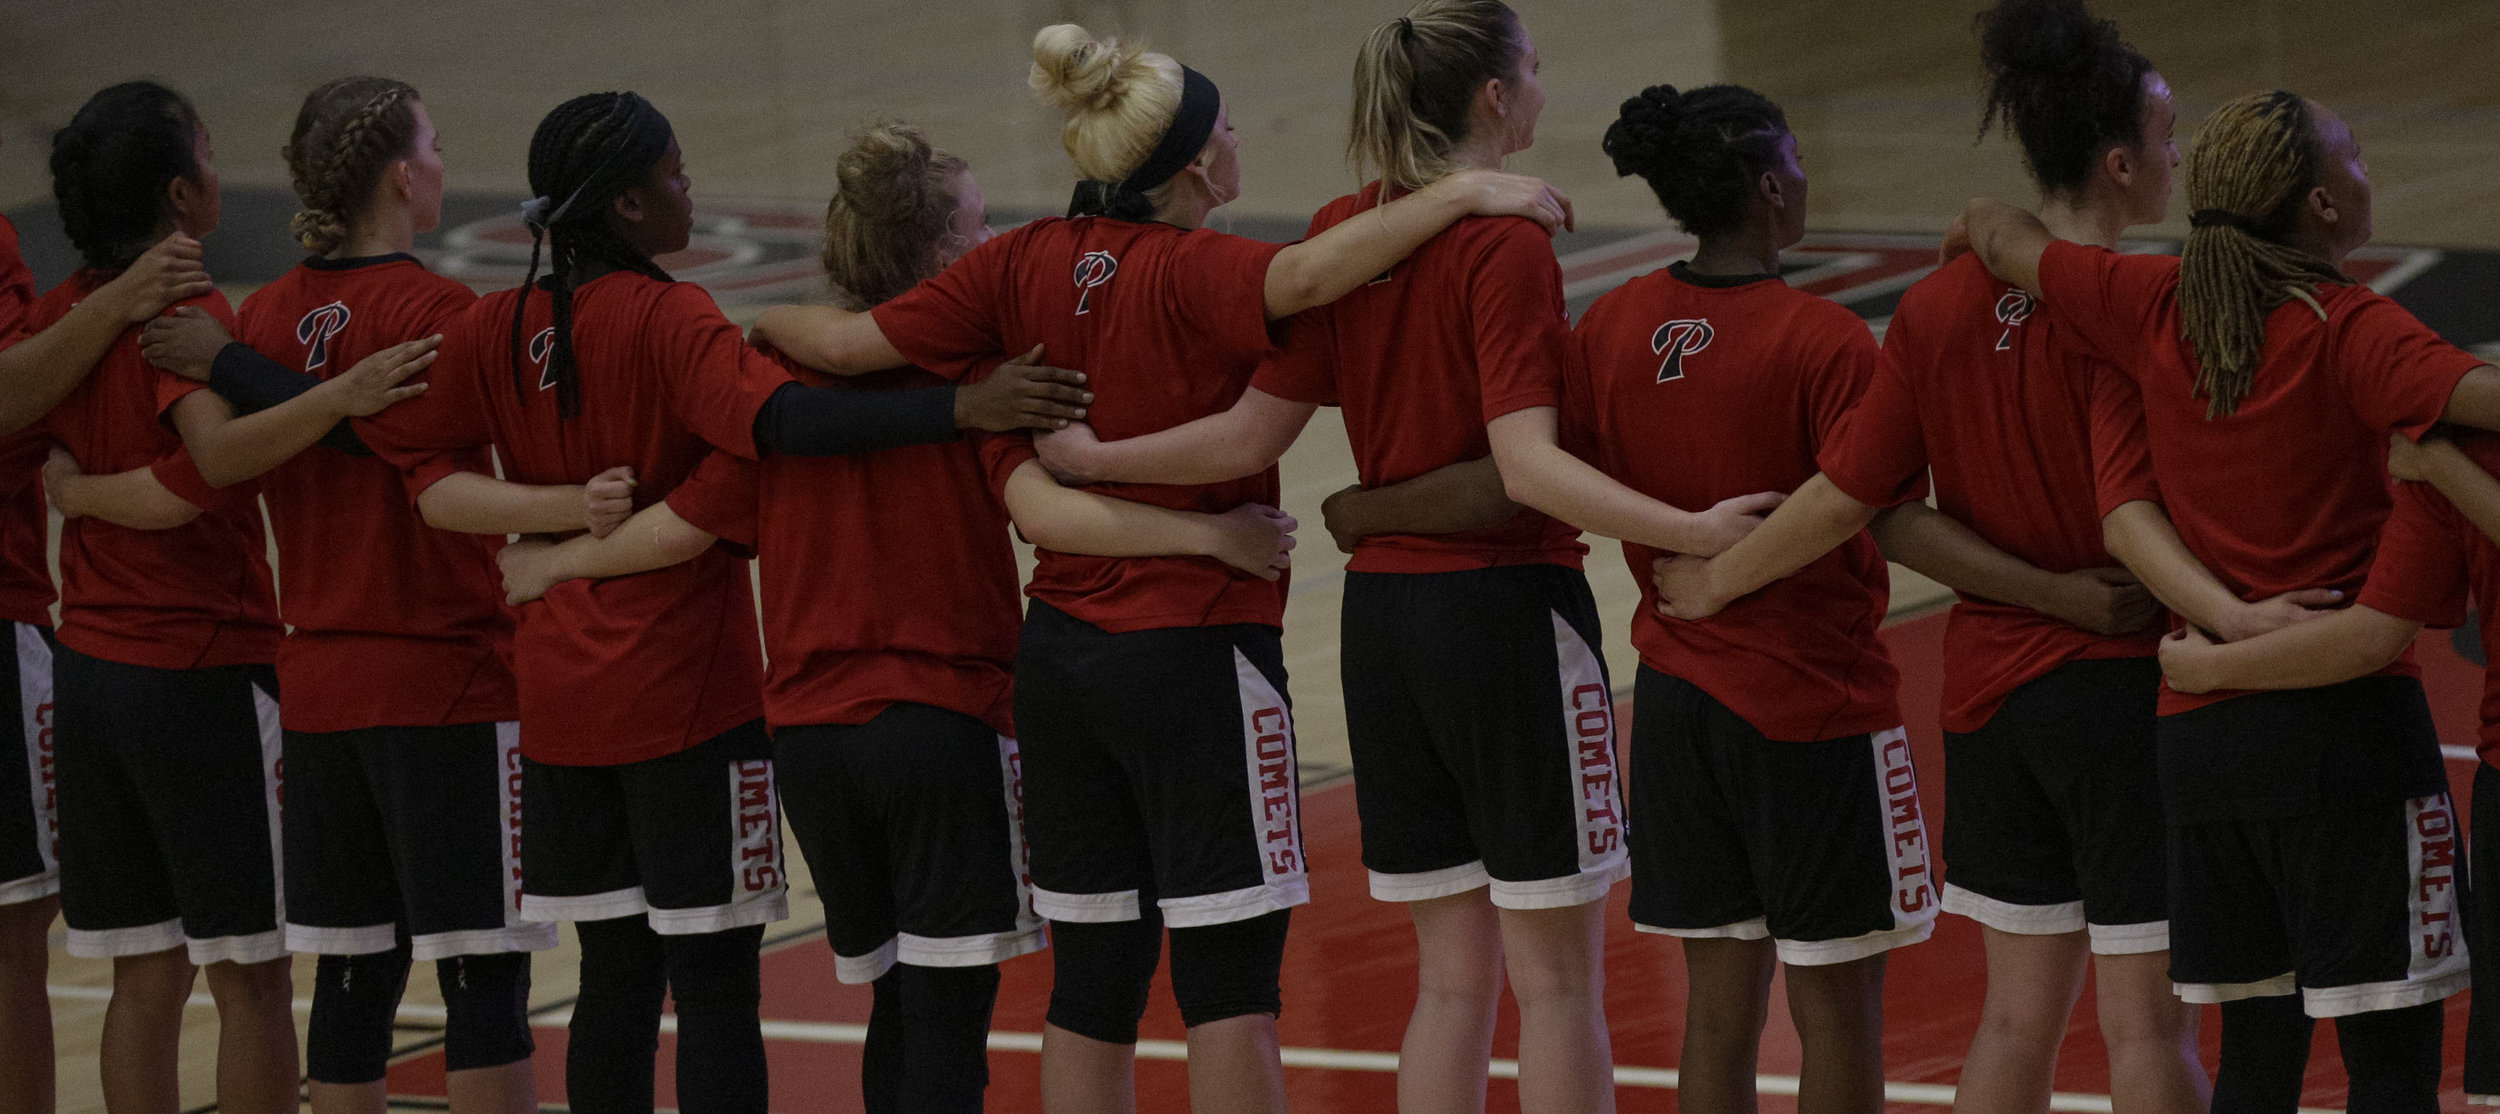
(134, 499)
(2140, 536)
(1252, 538)
(2354, 642)
(1241, 441)
(1942, 548)
(476, 503)
(829, 339)
(1326, 267)
(2473, 492)
(654, 538)
(2476, 401)
(1451, 499)
(231, 449)
(1538, 472)
(2009, 241)
(1816, 518)
(39, 371)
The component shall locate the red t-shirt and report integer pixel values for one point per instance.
(1996, 405)
(195, 596)
(2290, 490)
(2429, 557)
(635, 667)
(1168, 325)
(396, 624)
(1468, 328)
(25, 575)
(887, 577)
(1697, 390)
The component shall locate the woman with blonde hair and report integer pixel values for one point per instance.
(1158, 743)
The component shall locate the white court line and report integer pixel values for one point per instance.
(1326, 1059)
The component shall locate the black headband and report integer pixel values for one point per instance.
(2221, 218)
(1192, 123)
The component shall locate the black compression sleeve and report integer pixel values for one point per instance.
(252, 382)
(822, 421)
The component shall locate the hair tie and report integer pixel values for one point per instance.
(534, 211)
(2221, 218)
(1406, 28)
(1192, 123)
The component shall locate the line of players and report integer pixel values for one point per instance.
(461, 776)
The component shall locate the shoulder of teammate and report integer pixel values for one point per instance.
(2107, 298)
(720, 498)
(2398, 373)
(2419, 569)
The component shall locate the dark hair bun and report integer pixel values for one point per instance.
(1644, 132)
(2063, 82)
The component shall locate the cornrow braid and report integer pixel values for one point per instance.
(585, 154)
(346, 135)
(2255, 158)
(1699, 150)
(112, 163)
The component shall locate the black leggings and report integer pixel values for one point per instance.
(928, 1040)
(626, 970)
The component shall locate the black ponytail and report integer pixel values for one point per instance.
(112, 164)
(585, 154)
(1699, 151)
(2064, 83)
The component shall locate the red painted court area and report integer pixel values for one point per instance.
(1349, 980)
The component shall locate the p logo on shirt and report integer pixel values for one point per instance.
(1093, 269)
(315, 331)
(1676, 340)
(2012, 310)
(540, 345)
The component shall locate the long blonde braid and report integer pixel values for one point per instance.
(348, 131)
(2253, 165)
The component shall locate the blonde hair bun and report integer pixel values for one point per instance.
(1119, 97)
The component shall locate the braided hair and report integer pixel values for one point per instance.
(2064, 83)
(1415, 78)
(111, 167)
(2254, 162)
(1699, 150)
(893, 207)
(348, 132)
(585, 154)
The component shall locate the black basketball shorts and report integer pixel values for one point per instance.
(169, 783)
(407, 828)
(1482, 727)
(913, 828)
(30, 828)
(2053, 817)
(1819, 846)
(1158, 765)
(2482, 923)
(691, 839)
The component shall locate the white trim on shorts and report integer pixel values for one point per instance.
(2437, 966)
(1590, 884)
(259, 947)
(114, 943)
(2007, 916)
(320, 940)
(983, 950)
(1804, 953)
(34, 702)
(1019, 853)
(1102, 908)
(2141, 938)
(719, 918)
(1202, 910)
(583, 907)
(1915, 902)
(508, 779)
(1426, 885)
(1275, 799)
(1589, 739)
(2215, 993)
(272, 792)
(2472, 1099)
(516, 937)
